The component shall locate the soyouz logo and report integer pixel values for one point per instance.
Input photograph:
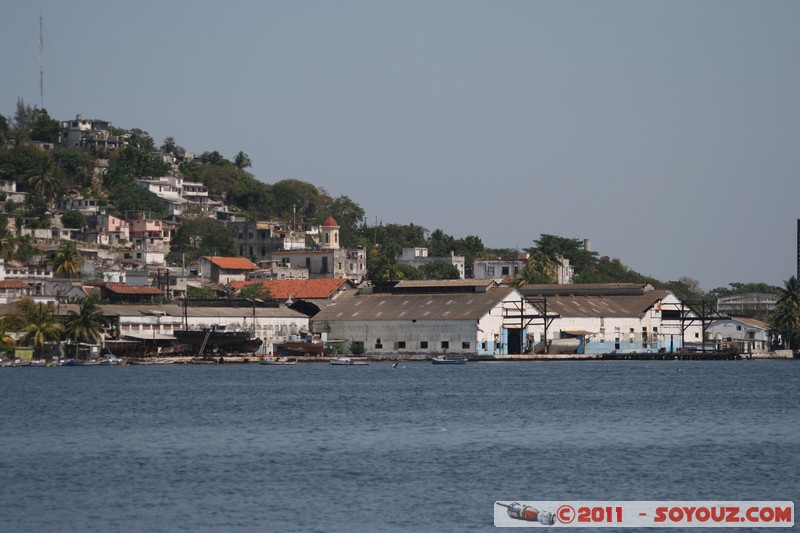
(727, 514)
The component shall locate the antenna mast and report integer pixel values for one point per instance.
(41, 62)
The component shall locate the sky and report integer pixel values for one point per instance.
(666, 132)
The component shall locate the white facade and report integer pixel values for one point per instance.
(271, 325)
(744, 335)
(417, 257)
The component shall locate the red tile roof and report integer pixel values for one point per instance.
(306, 289)
(232, 263)
(330, 222)
(13, 284)
(121, 288)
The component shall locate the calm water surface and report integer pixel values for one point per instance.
(414, 448)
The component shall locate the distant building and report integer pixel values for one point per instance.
(13, 290)
(224, 270)
(500, 268)
(428, 317)
(745, 335)
(747, 305)
(614, 318)
(90, 134)
(328, 260)
(418, 257)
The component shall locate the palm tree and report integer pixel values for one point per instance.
(67, 260)
(540, 269)
(42, 326)
(86, 324)
(785, 317)
(43, 180)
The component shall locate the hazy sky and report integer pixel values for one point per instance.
(668, 133)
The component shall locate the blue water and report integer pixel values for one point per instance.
(375, 448)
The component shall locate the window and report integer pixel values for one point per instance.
(423, 345)
(445, 345)
(490, 271)
(378, 344)
(465, 345)
(251, 251)
(505, 271)
(738, 328)
(400, 345)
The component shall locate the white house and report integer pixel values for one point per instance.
(418, 257)
(745, 335)
(225, 270)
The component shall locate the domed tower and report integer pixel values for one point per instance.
(330, 234)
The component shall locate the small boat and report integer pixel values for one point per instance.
(449, 360)
(346, 361)
(277, 361)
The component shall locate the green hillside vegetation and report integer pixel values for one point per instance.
(49, 175)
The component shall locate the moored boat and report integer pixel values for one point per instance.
(346, 361)
(277, 361)
(449, 360)
(218, 338)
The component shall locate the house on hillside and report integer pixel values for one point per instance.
(90, 134)
(418, 257)
(430, 317)
(615, 318)
(13, 290)
(225, 270)
(327, 259)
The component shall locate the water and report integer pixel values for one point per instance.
(375, 448)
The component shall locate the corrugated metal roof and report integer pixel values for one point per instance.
(445, 283)
(604, 306)
(408, 307)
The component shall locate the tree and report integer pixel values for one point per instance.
(199, 237)
(257, 291)
(4, 127)
(42, 326)
(76, 166)
(23, 117)
(539, 270)
(86, 324)
(73, 219)
(439, 270)
(67, 260)
(206, 293)
(169, 146)
(686, 289)
(242, 160)
(43, 179)
(44, 128)
(785, 319)
(440, 244)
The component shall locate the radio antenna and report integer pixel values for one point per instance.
(41, 62)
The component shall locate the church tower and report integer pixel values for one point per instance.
(330, 234)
